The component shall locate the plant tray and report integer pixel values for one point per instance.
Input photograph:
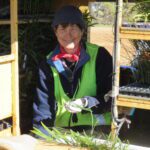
(135, 89)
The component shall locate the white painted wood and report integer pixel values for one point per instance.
(5, 91)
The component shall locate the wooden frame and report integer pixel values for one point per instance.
(125, 33)
(25, 21)
(134, 33)
(133, 101)
(11, 60)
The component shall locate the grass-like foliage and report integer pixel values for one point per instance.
(69, 137)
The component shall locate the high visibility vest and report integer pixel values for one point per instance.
(86, 87)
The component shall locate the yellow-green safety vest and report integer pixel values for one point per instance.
(86, 87)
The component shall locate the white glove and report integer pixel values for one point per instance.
(78, 104)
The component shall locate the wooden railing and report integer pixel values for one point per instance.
(9, 86)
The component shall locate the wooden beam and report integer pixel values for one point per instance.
(15, 77)
(4, 22)
(6, 132)
(135, 102)
(4, 116)
(5, 90)
(7, 58)
(135, 33)
(116, 64)
(42, 145)
(7, 22)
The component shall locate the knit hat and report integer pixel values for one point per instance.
(68, 14)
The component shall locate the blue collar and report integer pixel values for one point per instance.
(84, 57)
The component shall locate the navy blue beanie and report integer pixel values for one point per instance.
(68, 14)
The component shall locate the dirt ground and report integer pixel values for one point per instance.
(104, 36)
(139, 132)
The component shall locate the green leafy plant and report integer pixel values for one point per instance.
(141, 59)
(69, 137)
(88, 18)
(142, 11)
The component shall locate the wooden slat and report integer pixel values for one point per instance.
(135, 33)
(136, 102)
(4, 22)
(116, 62)
(4, 116)
(15, 72)
(25, 21)
(6, 132)
(5, 91)
(7, 58)
(41, 145)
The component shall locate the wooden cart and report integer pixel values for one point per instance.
(125, 33)
(9, 87)
(9, 90)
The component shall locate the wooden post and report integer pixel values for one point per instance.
(15, 77)
(116, 63)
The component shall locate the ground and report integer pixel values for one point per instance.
(104, 36)
(140, 127)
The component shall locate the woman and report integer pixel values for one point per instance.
(74, 78)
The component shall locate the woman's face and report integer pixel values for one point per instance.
(69, 37)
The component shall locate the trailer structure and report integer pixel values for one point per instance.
(131, 100)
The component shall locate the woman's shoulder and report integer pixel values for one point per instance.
(102, 50)
(44, 67)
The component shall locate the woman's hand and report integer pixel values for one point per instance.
(77, 105)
